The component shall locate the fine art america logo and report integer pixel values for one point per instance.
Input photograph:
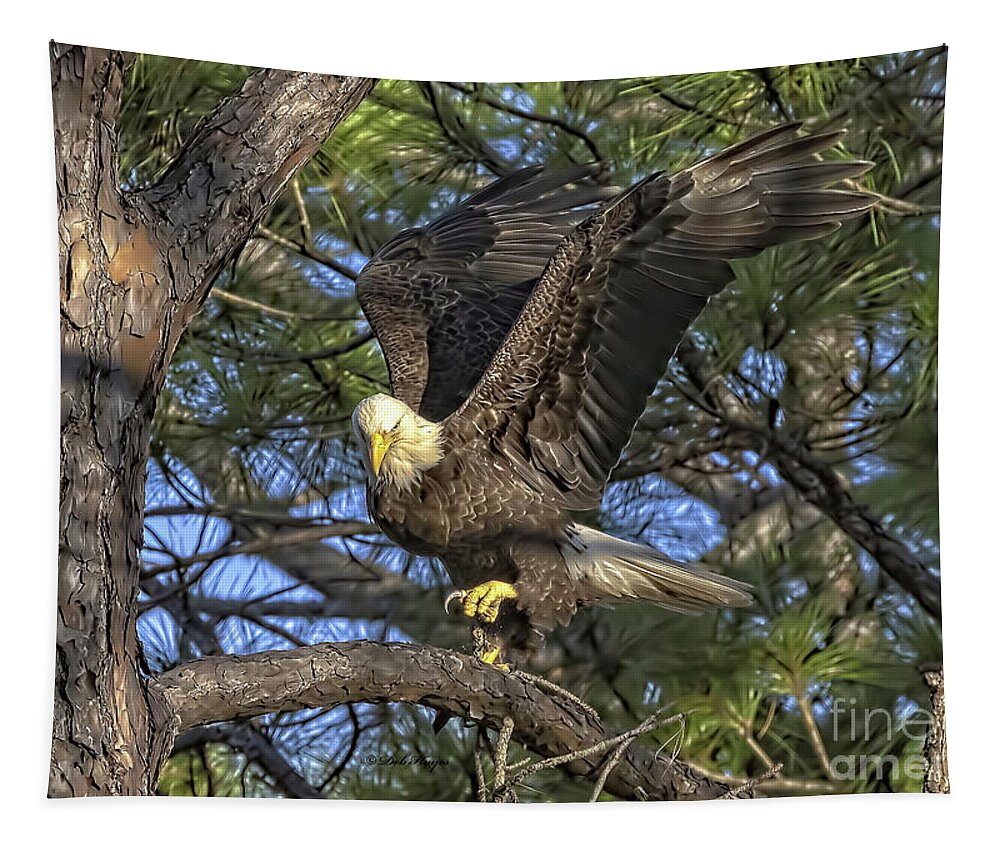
(856, 724)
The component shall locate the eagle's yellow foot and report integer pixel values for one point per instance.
(483, 601)
(491, 656)
(488, 648)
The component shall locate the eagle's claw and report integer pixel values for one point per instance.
(491, 656)
(488, 648)
(483, 602)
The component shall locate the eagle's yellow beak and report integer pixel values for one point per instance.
(379, 447)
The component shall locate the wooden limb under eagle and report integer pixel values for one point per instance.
(523, 332)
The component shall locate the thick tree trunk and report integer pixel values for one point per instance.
(936, 778)
(134, 271)
(135, 268)
(105, 738)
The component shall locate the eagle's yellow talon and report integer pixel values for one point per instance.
(491, 656)
(483, 601)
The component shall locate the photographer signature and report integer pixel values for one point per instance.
(423, 762)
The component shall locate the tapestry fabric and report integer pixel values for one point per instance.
(461, 441)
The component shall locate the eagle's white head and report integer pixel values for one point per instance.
(397, 444)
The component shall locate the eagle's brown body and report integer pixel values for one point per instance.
(523, 333)
(452, 514)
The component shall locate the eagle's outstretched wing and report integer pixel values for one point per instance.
(441, 299)
(562, 395)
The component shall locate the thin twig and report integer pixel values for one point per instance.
(321, 354)
(481, 790)
(244, 301)
(746, 733)
(815, 737)
(650, 723)
(753, 782)
(506, 777)
(551, 120)
(500, 755)
(300, 204)
(555, 688)
(894, 206)
(807, 785)
(611, 762)
(225, 295)
(308, 252)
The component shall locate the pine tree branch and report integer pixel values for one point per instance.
(309, 251)
(772, 93)
(134, 271)
(812, 728)
(244, 301)
(326, 353)
(377, 600)
(817, 483)
(694, 108)
(772, 782)
(848, 107)
(237, 162)
(232, 688)
(895, 206)
(317, 532)
(551, 120)
(256, 747)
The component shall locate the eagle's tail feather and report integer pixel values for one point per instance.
(609, 567)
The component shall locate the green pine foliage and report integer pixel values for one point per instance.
(830, 346)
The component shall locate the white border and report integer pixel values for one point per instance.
(510, 39)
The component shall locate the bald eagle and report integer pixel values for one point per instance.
(523, 332)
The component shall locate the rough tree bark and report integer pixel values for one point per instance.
(936, 777)
(134, 270)
(135, 267)
(231, 688)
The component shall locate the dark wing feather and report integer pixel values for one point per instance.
(441, 299)
(563, 393)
